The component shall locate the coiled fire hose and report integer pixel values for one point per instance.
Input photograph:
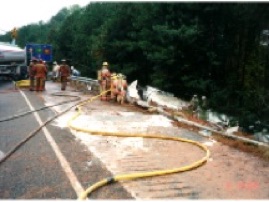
(132, 176)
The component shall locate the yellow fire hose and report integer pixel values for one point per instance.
(84, 195)
(132, 176)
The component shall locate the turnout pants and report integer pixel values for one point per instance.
(105, 85)
(63, 82)
(32, 83)
(40, 83)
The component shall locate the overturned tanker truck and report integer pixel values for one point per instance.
(14, 60)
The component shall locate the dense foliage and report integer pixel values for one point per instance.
(210, 49)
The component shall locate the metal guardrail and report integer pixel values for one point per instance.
(82, 79)
(84, 84)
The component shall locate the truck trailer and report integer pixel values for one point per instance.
(14, 60)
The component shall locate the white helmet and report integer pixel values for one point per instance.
(105, 64)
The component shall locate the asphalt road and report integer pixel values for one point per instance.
(36, 170)
(59, 163)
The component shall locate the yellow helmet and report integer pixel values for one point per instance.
(113, 76)
(121, 76)
(105, 64)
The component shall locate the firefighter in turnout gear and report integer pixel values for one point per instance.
(118, 87)
(64, 73)
(40, 75)
(31, 73)
(104, 79)
(194, 104)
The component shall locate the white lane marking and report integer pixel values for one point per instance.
(2, 154)
(64, 163)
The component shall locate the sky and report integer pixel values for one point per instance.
(18, 13)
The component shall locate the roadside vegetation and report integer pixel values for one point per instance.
(211, 49)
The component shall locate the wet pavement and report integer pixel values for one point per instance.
(34, 171)
(229, 173)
